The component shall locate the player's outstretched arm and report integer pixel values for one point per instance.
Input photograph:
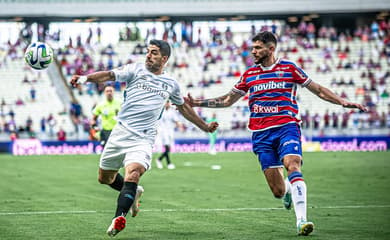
(189, 113)
(328, 95)
(219, 102)
(96, 77)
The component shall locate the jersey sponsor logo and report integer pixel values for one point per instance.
(265, 109)
(269, 85)
(152, 90)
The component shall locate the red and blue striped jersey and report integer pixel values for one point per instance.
(272, 93)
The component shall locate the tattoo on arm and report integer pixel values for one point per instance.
(219, 102)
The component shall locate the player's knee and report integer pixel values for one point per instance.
(292, 164)
(278, 193)
(133, 176)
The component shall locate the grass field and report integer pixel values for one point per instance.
(58, 197)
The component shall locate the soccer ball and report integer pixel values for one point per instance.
(38, 55)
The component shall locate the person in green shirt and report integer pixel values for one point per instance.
(107, 110)
(212, 136)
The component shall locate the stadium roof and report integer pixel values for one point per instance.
(164, 10)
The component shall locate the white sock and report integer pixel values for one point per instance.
(287, 186)
(298, 194)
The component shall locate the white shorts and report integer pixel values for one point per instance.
(123, 147)
(166, 137)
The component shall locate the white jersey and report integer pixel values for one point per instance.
(167, 125)
(168, 120)
(144, 98)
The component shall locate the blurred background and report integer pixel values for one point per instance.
(344, 45)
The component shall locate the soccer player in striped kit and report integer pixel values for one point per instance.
(272, 85)
(148, 87)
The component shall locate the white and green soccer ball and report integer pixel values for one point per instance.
(39, 55)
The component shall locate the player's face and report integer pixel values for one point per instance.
(261, 52)
(154, 60)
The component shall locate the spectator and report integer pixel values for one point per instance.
(52, 122)
(43, 125)
(335, 119)
(33, 93)
(316, 121)
(326, 119)
(61, 135)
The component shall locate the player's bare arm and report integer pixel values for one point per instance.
(96, 77)
(189, 113)
(219, 102)
(328, 95)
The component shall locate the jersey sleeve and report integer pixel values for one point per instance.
(176, 97)
(97, 110)
(300, 76)
(125, 73)
(241, 87)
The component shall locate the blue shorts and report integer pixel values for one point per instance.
(273, 144)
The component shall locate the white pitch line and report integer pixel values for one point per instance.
(186, 210)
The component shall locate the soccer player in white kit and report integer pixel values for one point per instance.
(166, 130)
(148, 87)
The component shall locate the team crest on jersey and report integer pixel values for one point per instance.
(279, 74)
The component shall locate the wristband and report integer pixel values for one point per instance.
(82, 79)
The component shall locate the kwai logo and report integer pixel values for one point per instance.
(265, 109)
(269, 85)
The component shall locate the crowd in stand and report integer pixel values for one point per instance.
(77, 57)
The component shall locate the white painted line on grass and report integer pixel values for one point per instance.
(185, 210)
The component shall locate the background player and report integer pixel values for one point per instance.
(108, 111)
(212, 136)
(166, 131)
(148, 87)
(276, 138)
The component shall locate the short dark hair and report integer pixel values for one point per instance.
(165, 49)
(265, 37)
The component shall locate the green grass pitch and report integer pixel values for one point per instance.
(58, 197)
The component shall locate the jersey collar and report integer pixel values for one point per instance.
(270, 67)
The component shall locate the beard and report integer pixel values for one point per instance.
(261, 60)
(152, 66)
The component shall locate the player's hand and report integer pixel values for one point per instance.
(212, 126)
(93, 124)
(347, 104)
(190, 100)
(76, 80)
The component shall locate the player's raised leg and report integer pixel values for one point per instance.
(298, 193)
